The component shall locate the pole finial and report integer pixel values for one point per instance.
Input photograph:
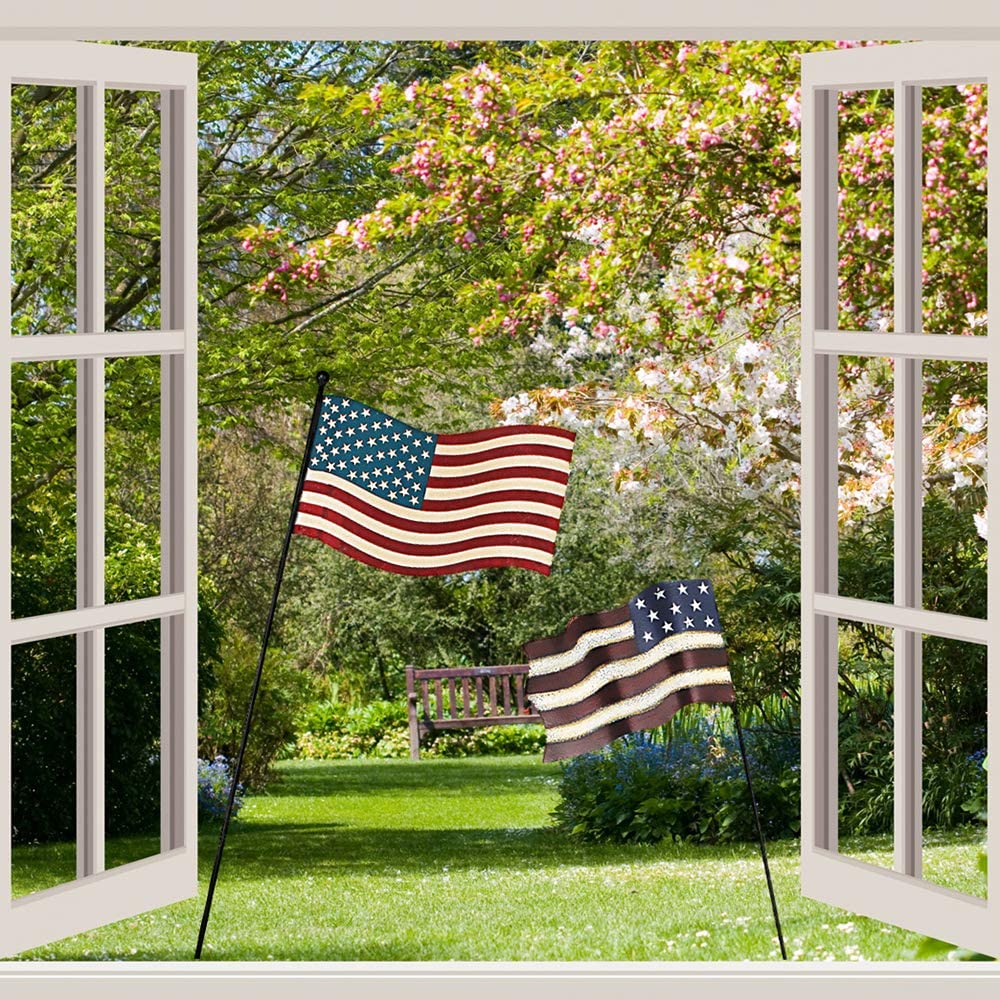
(322, 377)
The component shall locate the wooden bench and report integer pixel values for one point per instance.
(465, 698)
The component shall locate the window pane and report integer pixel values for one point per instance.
(865, 214)
(954, 778)
(43, 209)
(132, 478)
(132, 742)
(865, 479)
(132, 209)
(954, 502)
(865, 742)
(43, 487)
(954, 209)
(43, 766)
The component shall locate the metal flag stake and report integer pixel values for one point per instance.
(322, 378)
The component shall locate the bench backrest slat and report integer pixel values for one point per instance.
(519, 693)
(479, 696)
(440, 699)
(505, 683)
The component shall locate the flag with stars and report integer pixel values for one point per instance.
(422, 504)
(621, 671)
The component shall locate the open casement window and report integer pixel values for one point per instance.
(81, 668)
(886, 368)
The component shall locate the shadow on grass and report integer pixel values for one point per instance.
(377, 777)
(286, 850)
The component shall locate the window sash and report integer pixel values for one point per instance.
(99, 896)
(899, 895)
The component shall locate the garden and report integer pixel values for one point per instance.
(598, 235)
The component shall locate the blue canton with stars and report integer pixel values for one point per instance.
(373, 450)
(672, 608)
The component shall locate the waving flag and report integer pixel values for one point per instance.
(422, 504)
(632, 668)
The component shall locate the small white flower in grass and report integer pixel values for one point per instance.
(847, 928)
(701, 934)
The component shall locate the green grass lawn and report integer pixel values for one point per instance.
(387, 860)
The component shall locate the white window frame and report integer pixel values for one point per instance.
(898, 896)
(99, 896)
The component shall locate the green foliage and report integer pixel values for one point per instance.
(284, 689)
(330, 730)
(489, 741)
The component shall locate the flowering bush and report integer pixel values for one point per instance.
(639, 790)
(214, 783)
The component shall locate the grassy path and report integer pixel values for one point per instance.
(452, 859)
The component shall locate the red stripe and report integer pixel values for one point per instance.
(411, 520)
(499, 496)
(444, 482)
(462, 566)
(488, 433)
(505, 451)
(430, 549)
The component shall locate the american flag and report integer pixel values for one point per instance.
(422, 504)
(621, 671)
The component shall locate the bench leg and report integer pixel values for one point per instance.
(414, 736)
(411, 704)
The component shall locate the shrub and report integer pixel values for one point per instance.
(214, 783)
(952, 774)
(330, 730)
(490, 741)
(642, 791)
(284, 691)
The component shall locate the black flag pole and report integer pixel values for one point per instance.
(760, 831)
(321, 379)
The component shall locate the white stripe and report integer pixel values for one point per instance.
(421, 561)
(484, 489)
(639, 703)
(530, 462)
(422, 537)
(553, 440)
(417, 516)
(628, 667)
(583, 645)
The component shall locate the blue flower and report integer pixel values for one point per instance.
(214, 783)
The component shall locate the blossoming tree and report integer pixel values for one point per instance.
(632, 210)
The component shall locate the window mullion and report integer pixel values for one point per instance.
(90, 482)
(819, 473)
(175, 226)
(908, 481)
(6, 730)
